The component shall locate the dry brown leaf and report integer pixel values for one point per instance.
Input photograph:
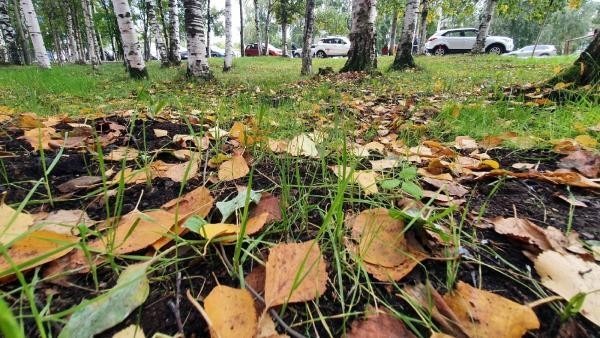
(120, 153)
(444, 176)
(34, 249)
(465, 142)
(82, 182)
(39, 138)
(568, 275)
(484, 314)
(177, 172)
(131, 176)
(379, 325)
(268, 204)
(12, 224)
(523, 166)
(64, 222)
(186, 154)
(560, 176)
(186, 141)
(302, 145)
(278, 146)
(366, 179)
(381, 165)
(29, 121)
(135, 231)
(160, 133)
(448, 187)
(586, 162)
(242, 134)
(231, 313)
(295, 272)
(572, 200)
(233, 169)
(196, 202)
(132, 331)
(266, 328)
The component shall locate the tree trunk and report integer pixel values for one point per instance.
(145, 30)
(163, 22)
(256, 25)
(208, 21)
(9, 34)
(267, 24)
(174, 56)
(97, 36)
(393, 29)
(362, 56)
(423, 31)
(284, 40)
(158, 35)
(227, 63)
(585, 70)
(484, 26)
(242, 47)
(22, 41)
(131, 46)
(35, 33)
(195, 14)
(309, 26)
(73, 50)
(404, 58)
(89, 33)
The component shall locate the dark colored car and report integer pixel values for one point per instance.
(252, 50)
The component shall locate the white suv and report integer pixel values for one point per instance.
(331, 46)
(461, 40)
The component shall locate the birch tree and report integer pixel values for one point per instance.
(35, 33)
(74, 55)
(174, 56)
(131, 45)
(157, 32)
(393, 30)
(362, 56)
(404, 58)
(242, 47)
(484, 26)
(228, 45)
(9, 34)
(257, 26)
(195, 14)
(309, 27)
(422, 34)
(89, 33)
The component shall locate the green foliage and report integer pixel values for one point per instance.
(8, 324)
(288, 11)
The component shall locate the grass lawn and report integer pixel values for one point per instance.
(330, 163)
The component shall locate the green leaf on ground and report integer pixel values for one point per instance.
(227, 208)
(195, 223)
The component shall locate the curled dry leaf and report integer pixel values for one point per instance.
(12, 223)
(231, 313)
(160, 133)
(448, 187)
(233, 169)
(64, 222)
(379, 325)
(34, 249)
(302, 145)
(268, 204)
(586, 162)
(295, 272)
(465, 142)
(228, 232)
(131, 176)
(266, 328)
(560, 176)
(366, 179)
(484, 314)
(569, 275)
(79, 183)
(122, 153)
(186, 141)
(381, 165)
(39, 138)
(382, 247)
(176, 172)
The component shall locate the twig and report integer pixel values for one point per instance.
(198, 307)
(543, 301)
(175, 306)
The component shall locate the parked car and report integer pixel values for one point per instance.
(461, 40)
(252, 50)
(217, 52)
(540, 50)
(331, 46)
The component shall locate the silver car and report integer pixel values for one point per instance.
(532, 50)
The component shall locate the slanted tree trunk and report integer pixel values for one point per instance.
(156, 31)
(423, 27)
(309, 27)
(257, 26)
(9, 34)
(195, 14)
(585, 70)
(174, 56)
(73, 50)
(484, 26)
(404, 58)
(362, 56)
(35, 33)
(393, 29)
(227, 63)
(89, 33)
(97, 37)
(242, 46)
(131, 46)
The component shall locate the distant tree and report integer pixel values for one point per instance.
(134, 59)
(286, 12)
(309, 26)
(257, 26)
(35, 33)
(227, 62)
(157, 32)
(362, 56)
(174, 56)
(89, 32)
(195, 24)
(404, 58)
(242, 46)
(74, 53)
(9, 34)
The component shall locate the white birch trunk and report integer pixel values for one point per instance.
(242, 46)
(174, 56)
(404, 58)
(393, 29)
(89, 33)
(9, 34)
(131, 45)
(156, 31)
(195, 14)
(362, 56)
(227, 63)
(35, 33)
(423, 30)
(484, 26)
(309, 26)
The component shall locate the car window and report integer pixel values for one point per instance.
(527, 49)
(470, 33)
(453, 34)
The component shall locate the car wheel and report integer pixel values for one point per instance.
(495, 49)
(321, 54)
(439, 51)
(545, 54)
